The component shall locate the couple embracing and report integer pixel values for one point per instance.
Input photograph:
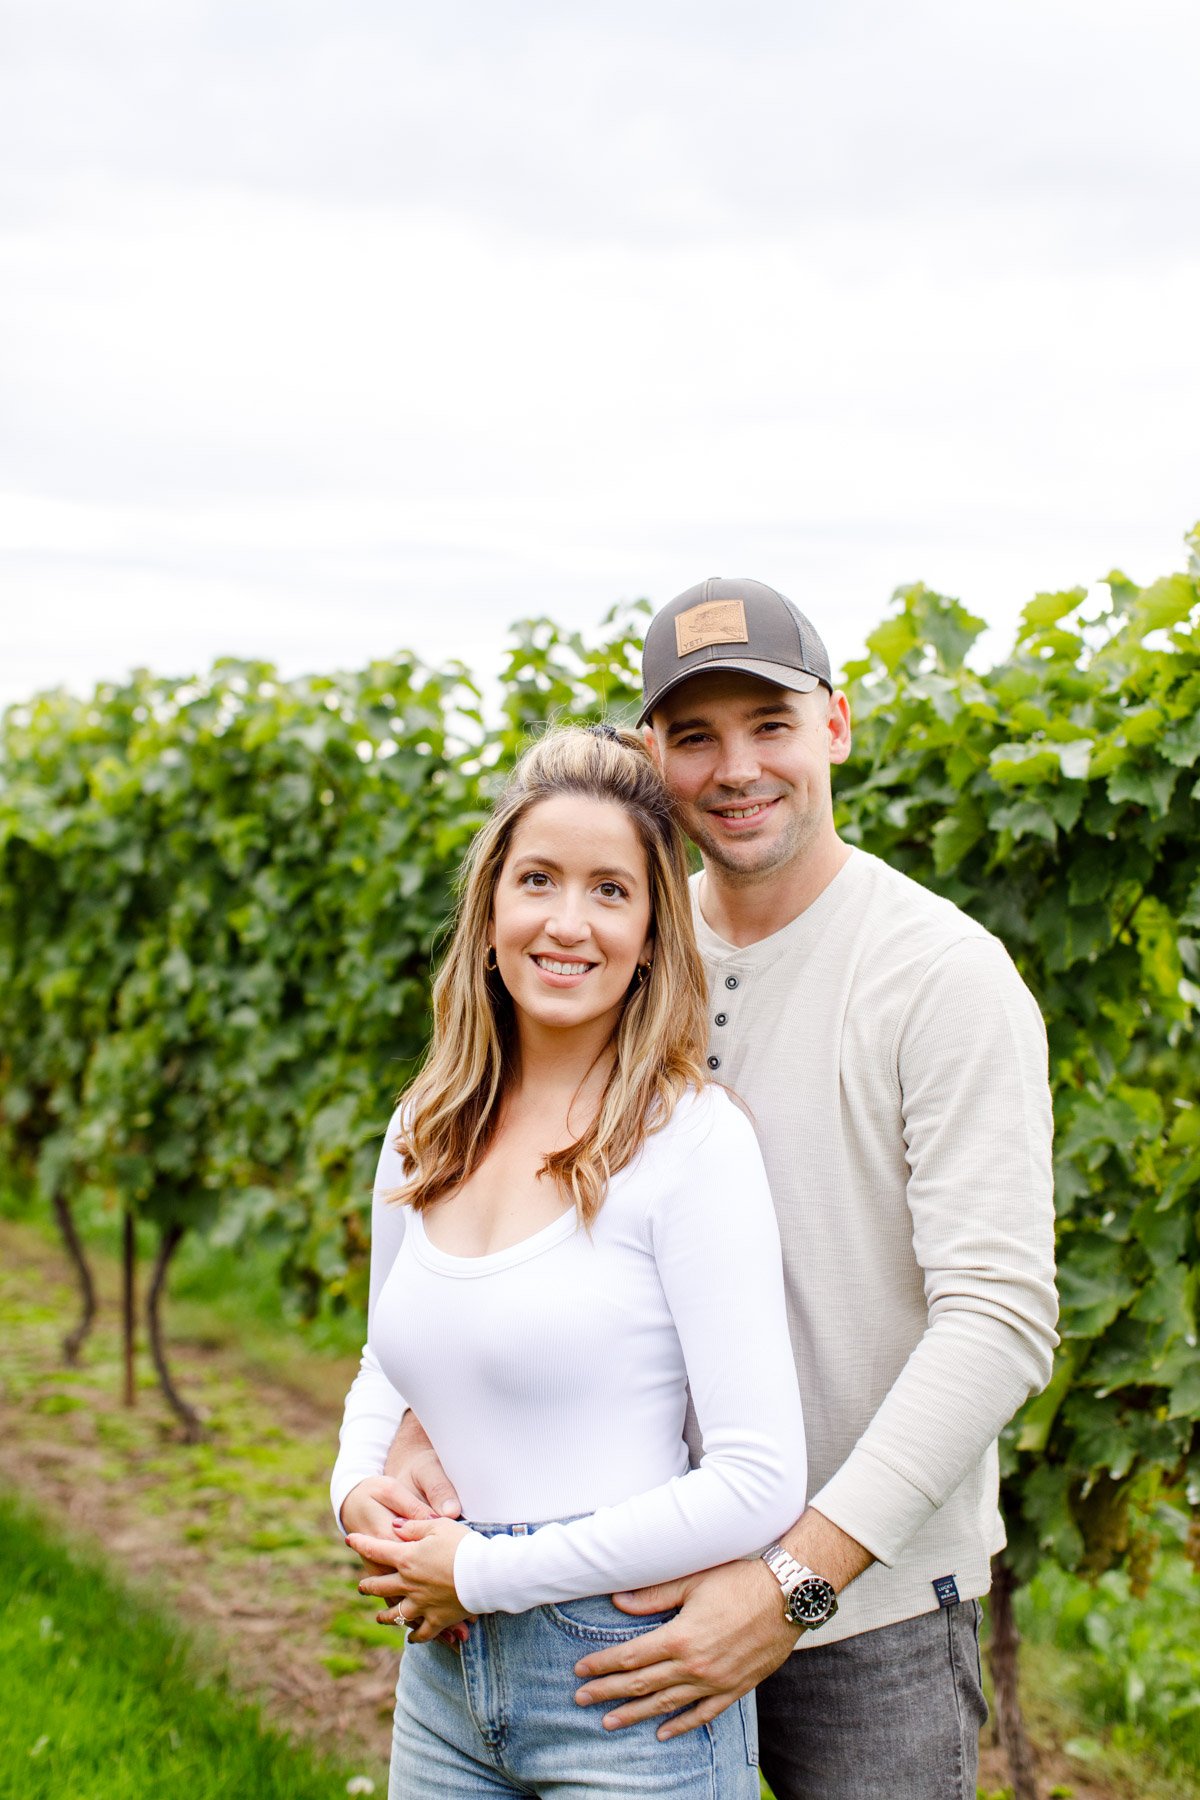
(778, 1147)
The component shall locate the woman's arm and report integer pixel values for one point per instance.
(373, 1408)
(715, 1241)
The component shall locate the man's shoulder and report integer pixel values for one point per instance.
(899, 909)
(906, 940)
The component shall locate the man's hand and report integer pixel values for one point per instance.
(371, 1507)
(413, 1465)
(730, 1635)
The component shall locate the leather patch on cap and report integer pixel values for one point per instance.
(712, 622)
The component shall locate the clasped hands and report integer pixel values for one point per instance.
(729, 1635)
(691, 1668)
(421, 1552)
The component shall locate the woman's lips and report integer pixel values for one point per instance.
(561, 971)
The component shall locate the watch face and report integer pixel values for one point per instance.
(811, 1601)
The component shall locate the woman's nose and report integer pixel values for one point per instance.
(566, 924)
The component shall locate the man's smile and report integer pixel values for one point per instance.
(746, 812)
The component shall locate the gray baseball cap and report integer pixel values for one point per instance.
(725, 624)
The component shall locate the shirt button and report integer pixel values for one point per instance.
(714, 1062)
(721, 1019)
(731, 981)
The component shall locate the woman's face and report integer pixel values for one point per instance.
(571, 912)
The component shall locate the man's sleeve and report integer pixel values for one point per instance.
(970, 1055)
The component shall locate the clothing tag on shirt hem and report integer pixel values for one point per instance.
(946, 1589)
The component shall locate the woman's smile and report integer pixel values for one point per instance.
(562, 972)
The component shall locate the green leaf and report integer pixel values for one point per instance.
(1184, 1400)
(1047, 1505)
(1025, 818)
(892, 642)
(1181, 744)
(1038, 1415)
(1048, 609)
(1093, 1286)
(1015, 765)
(1074, 758)
(955, 835)
(951, 629)
(1167, 602)
(1166, 1300)
(1147, 784)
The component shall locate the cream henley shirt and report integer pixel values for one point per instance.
(894, 1064)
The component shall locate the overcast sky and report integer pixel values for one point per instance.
(331, 329)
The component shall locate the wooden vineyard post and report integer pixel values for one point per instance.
(129, 1305)
(1003, 1661)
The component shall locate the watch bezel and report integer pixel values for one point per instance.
(810, 1601)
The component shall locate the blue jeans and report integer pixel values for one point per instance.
(501, 1719)
(894, 1712)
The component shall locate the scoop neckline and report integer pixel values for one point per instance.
(446, 1262)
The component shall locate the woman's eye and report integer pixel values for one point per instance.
(612, 890)
(536, 878)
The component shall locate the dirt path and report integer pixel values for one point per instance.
(235, 1533)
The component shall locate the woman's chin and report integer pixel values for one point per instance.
(569, 1009)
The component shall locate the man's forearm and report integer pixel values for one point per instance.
(825, 1548)
(412, 1460)
(400, 1445)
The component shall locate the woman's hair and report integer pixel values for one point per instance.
(451, 1108)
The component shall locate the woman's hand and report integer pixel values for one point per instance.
(422, 1553)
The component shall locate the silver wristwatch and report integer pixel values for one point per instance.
(808, 1599)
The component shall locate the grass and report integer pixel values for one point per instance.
(105, 1699)
(1127, 1667)
(236, 1530)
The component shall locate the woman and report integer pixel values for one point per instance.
(585, 1232)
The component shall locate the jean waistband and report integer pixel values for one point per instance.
(521, 1528)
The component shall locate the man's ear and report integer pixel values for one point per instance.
(838, 721)
(651, 742)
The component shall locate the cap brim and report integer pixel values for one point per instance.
(800, 681)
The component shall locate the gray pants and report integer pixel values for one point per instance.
(893, 1714)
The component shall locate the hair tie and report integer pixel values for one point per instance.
(604, 731)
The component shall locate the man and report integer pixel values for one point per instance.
(895, 1067)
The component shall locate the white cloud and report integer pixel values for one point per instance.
(344, 330)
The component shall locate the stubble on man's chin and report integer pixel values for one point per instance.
(753, 871)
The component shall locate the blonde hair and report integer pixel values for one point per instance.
(452, 1106)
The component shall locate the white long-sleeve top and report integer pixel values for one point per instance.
(552, 1377)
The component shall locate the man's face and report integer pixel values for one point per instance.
(749, 764)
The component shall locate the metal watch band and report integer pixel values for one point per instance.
(784, 1567)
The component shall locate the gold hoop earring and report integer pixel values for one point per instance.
(489, 958)
(641, 975)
